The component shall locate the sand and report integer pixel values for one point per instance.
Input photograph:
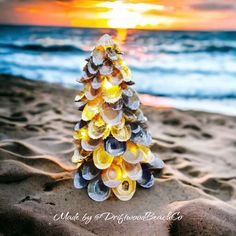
(36, 123)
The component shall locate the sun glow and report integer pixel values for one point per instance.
(131, 15)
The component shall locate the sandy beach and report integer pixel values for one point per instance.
(36, 125)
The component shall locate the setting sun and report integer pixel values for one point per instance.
(129, 15)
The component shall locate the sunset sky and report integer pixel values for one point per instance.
(144, 14)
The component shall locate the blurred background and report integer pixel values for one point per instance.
(182, 53)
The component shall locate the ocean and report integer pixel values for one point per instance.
(191, 70)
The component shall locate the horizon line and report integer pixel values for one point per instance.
(109, 28)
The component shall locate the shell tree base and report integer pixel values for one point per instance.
(111, 139)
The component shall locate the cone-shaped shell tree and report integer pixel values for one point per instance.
(111, 139)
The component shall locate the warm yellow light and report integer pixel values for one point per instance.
(106, 84)
(81, 134)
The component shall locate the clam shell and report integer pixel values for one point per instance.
(106, 40)
(96, 83)
(79, 181)
(117, 105)
(147, 155)
(110, 93)
(147, 180)
(119, 64)
(80, 104)
(135, 128)
(132, 102)
(114, 147)
(81, 134)
(89, 112)
(102, 159)
(116, 77)
(128, 92)
(142, 137)
(95, 131)
(98, 55)
(125, 190)
(110, 116)
(76, 158)
(106, 69)
(79, 96)
(120, 125)
(122, 134)
(140, 117)
(133, 171)
(111, 54)
(80, 124)
(112, 177)
(90, 144)
(85, 74)
(126, 73)
(129, 115)
(84, 154)
(92, 68)
(98, 191)
(91, 93)
(132, 154)
(89, 170)
(157, 163)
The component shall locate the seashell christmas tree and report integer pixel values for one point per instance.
(112, 142)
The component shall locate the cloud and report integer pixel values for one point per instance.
(213, 6)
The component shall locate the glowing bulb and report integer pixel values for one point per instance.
(106, 84)
(81, 134)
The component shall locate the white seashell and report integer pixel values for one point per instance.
(105, 40)
(90, 69)
(105, 70)
(109, 115)
(133, 171)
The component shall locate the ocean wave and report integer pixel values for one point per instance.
(185, 49)
(165, 49)
(44, 48)
(196, 94)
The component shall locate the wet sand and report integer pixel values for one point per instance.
(36, 123)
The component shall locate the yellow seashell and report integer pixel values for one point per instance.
(147, 155)
(106, 132)
(121, 124)
(119, 64)
(126, 73)
(101, 159)
(111, 93)
(98, 121)
(81, 134)
(122, 134)
(132, 154)
(76, 157)
(95, 131)
(125, 190)
(112, 176)
(89, 112)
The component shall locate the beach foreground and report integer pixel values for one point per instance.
(36, 123)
